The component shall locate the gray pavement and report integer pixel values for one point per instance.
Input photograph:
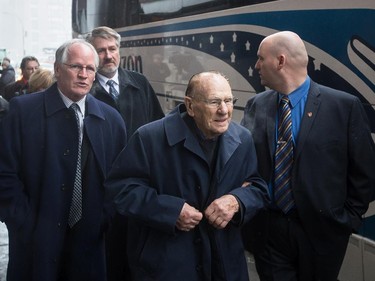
(3, 251)
(253, 275)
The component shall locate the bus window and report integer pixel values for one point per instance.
(88, 14)
(120, 13)
(154, 10)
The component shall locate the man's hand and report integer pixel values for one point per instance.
(189, 218)
(221, 211)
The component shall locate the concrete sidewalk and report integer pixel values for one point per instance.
(3, 251)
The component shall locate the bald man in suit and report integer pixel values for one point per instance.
(331, 179)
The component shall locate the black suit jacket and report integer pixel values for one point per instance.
(137, 102)
(333, 172)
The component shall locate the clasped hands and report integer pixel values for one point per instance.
(219, 213)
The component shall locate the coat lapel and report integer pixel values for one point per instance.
(53, 101)
(94, 130)
(311, 110)
(175, 130)
(125, 80)
(228, 143)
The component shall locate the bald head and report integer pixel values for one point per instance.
(291, 44)
(199, 82)
(282, 61)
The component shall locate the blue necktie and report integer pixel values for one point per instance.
(75, 213)
(112, 90)
(284, 158)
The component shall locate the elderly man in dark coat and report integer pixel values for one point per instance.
(187, 183)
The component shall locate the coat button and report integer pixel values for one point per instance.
(63, 187)
(66, 152)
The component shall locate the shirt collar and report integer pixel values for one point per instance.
(296, 96)
(68, 102)
(194, 128)
(103, 79)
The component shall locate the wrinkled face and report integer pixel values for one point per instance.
(109, 55)
(211, 106)
(75, 76)
(30, 67)
(267, 65)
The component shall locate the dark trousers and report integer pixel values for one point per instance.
(289, 255)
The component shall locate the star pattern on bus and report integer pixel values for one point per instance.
(234, 48)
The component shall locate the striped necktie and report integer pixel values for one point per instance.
(75, 213)
(112, 90)
(284, 158)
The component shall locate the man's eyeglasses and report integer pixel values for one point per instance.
(79, 68)
(216, 103)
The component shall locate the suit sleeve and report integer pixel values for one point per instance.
(361, 169)
(128, 183)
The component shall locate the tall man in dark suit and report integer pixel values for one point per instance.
(56, 149)
(331, 164)
(135, 99)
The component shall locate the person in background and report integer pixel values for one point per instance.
(20, 87)
(8, 75)
(40, 80)
(4, 107)
(57, 147)
(132, 95)
(185, 194)
(316, 153)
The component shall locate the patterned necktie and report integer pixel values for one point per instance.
(284, 158)
(75, 213)
(112, 90)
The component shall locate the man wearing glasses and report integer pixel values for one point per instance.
(187, 183)
(56, 149)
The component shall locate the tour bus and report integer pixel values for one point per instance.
(170, 40)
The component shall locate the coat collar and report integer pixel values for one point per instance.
(125, 80)
(94, 114)
(176, 131)
(54, 103)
